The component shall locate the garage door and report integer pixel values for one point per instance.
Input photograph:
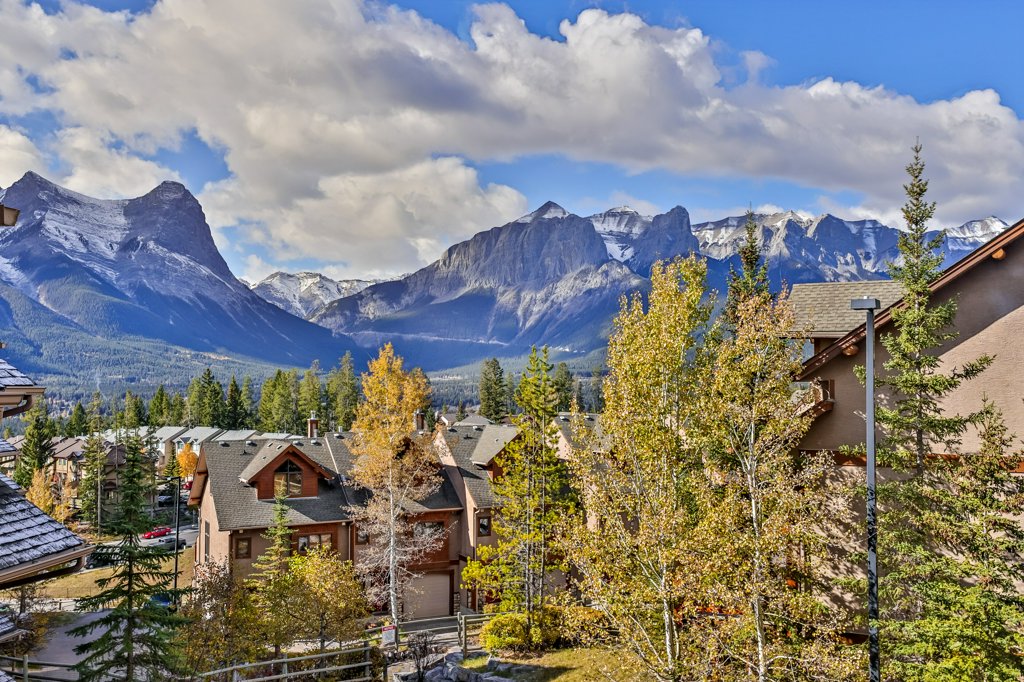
(428, 596)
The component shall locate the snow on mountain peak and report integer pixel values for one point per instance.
(549, 210)
(618, 228)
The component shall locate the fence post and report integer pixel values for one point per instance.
(462, 635)
(368, 671)
(24, 667)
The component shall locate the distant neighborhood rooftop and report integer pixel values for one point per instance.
(822, 310)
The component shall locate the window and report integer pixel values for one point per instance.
(434, 529)
(362, 537)
(206, 540)
(483, 527)
(308, 542)
(289, 476)
(243, 548)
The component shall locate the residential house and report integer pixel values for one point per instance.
(164, 438)
(234, 492)
(469, 455)
(195, 437)
(989, 286)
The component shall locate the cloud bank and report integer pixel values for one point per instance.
(350, 129)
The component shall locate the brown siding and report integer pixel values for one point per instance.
(264, 481)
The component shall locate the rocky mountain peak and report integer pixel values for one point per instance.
(548, 210)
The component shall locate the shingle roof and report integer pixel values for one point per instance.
(237, 504)
(12, 376)
(591, 421)
(8, 627)
(239, 434)
(462, 443)
(199, 434)
(166, 433)
(28, 537)
(6, 446)
(473, 420)
(229, 465)
(822, 310)
(493, 439)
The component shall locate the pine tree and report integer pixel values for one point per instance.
(78, 423)
(752, 279)
(37, 448)
(533, 493)
(270, 580)
(564, 387)
(160, 408)
(310, 393)
(492, 390)
(265, 410)
(234, 409)
(134, 414)
(344, 388)
(248, 402)
(136, 634)
(176, 412)
(94, 460)
(948, 611)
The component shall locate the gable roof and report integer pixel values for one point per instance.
(239, 434)
(822, 310)
(166, 433)
(270, 452)
(492, 440)
(983, 254)
(462, 443)
(591, 422)
(222, 470)
(31, 541)
(198, 434)
(17, 391)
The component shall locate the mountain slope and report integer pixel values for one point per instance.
(144, 268)
(303, 294)
(545, 278)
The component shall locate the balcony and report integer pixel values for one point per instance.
(815, 397)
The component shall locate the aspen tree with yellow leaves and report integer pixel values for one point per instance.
(396, 468)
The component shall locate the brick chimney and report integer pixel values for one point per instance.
(312, 425)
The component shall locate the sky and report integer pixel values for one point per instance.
(361, 138)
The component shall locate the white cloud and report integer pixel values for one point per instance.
(343, 124)
(18, 154)
(97, 169)
(257, 269)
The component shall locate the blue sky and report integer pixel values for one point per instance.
(361, 139)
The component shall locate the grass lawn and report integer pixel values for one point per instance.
(570, 665)
(83, 583)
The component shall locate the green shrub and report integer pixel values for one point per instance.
(506, 632)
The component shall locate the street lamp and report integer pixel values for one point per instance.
(870, 305)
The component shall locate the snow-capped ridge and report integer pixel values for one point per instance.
(548, 210)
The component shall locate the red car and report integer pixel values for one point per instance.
(187, 486)
(157, 532)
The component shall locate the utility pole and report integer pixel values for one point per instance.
(870, 305)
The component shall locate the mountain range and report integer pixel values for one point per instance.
(134, 292)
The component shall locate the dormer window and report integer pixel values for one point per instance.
(288, 477)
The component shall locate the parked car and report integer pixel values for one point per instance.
(187, 485)
(157, 532)
(103, 556)
(170, 542)
(163, 600)
(165, 500)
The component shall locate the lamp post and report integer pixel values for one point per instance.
(870, 305)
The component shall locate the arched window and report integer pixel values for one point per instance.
(289, 477)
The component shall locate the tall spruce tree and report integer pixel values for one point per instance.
(270, 580)
(134, 414)
(160, 408)
(94, 459)
(37, 447)
(78, 422)
(135, 633)
(565, 387)
(344, 389)
(248, 404)
(177, 412)
(492, 390)
(534, 494)
(752, 279)
(949, 610)
(310, 393)
(234, 409)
